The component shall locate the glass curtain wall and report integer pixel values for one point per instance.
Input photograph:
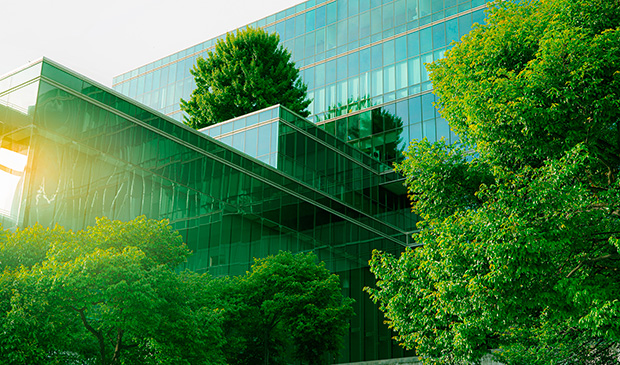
(88, 152)
(18, 95)
(291, 144)
(354, 55)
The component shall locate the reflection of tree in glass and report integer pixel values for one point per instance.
(377, 131)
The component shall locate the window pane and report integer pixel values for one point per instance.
(414, 71)
(320, 17)
(332, 13)
(364, 25)
(300, 25)
(425, 8)
(428, 110)
(310, 42)
(320, 41)
(389, 79)
(332, 37)
(364, 60)
(464, 24)
(439, 35)
(377, 56)
(415, 110)
(400, 48)
(310, 21)
(413, 48)
(452, 31)
(400, 12)
(290, 28)
(388, 16)
(375, 21)
(377, 82)
(412, 10)
(342, 93)
(353, 64)
(388, 52)
(426, 40)
(319, 75)
(401, 75)
(330, 71)
(264, 136)
(342, 33)
(341, 67)
(426, 59)
(353, 29)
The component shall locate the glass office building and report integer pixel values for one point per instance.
(72, 150)
(355, 56)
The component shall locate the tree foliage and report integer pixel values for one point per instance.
(105, 295)
(111, 294)
(521, 225)
(287, 307)
(246, 72)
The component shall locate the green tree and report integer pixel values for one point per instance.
(248, 71)
(286, 307)
(520, 238)
(105, 295)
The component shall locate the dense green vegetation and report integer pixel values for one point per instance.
(248, 71)
(287, 307)
(521, 225)
(110, 294)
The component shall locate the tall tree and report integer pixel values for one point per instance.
(246, 72)
(520, 238)
(287, 306)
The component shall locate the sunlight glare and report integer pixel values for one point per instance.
(13, 160)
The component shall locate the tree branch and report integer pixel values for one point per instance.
(95, 333)
(612, 256)
(118, 346)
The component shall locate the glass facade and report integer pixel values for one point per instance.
(355, 56)
(72, 150)
(299, 148)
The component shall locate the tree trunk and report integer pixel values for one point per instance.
(117, 349)
(95, 333)
(266, 348)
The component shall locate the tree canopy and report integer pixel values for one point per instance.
(107, 295)
(520, 238)
(287, 306)
(112, 294)
(248, 71)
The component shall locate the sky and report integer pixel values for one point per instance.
(102, 39)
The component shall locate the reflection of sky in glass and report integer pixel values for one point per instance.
(9, 183)
(12, 160)
(255, 134)
(8, 192)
